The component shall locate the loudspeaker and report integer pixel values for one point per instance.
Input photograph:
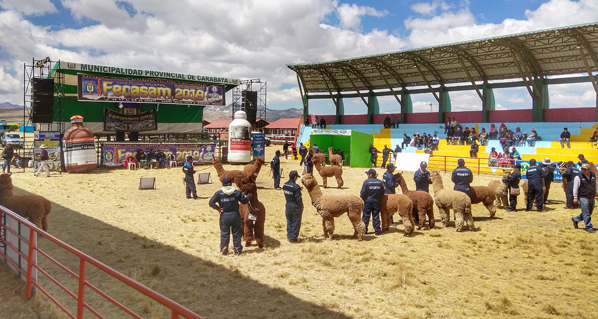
(42, 110)
(250, 105)
(147, 183)
(133, 136)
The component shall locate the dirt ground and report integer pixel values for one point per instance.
(521, 265)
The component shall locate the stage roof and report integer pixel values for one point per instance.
(527, 56)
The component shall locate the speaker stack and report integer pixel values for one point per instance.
(43, 101)
(250, 105)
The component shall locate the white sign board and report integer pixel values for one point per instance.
(410, 161)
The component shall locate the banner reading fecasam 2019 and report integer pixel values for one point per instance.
(103, 89)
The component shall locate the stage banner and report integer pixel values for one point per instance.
(115, 153)
(331, 132)
(115, 122)
(410, 161)
(103, 89)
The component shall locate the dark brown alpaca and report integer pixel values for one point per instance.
(235, 175)
(252, 229)
(252, 170)
(33, 207)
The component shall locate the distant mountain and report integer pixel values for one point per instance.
(8, 105)
(214, 112)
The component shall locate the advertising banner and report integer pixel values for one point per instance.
(239, 139)
(115, 153)
(410, 161)
(51, 139)
(258, 144)
(115, 122)
(103, 89)
(331, 132)
(525, 165)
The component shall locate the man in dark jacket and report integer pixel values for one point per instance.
(294, 206)
(389, 181)
(474, 149)
(565, 137)
(316, 148)
(322, 123)
(308, 163)
(568, 175)
(275, 168)
(385, 155)
(285, 149)
(7, 155)
(513, 181)
(549, 171)
(534, 176)
(462, 177)
(189, 182)
(585, 189)
(228, 199)
(371, 193)
(396, 151)
(422, 178)
(303, 153)
(374, 152)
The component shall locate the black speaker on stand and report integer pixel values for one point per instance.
(250, 105)
(42, 109)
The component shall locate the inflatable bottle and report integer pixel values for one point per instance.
(239, 139)
(79, 147)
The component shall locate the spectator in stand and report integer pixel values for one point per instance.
(465, 137)
(406, 141)
(425, 139)
(152, 159)
(515, 154)
(162, 159)
(532, 138)
(454, 124)
(417, 139)
(483, 137)
(473, 135)
(585, 189)
(450, 135)
(565, 137)
(447, 124)
(458, 136)
(397, 151)
(429, 147)
(435, 141)
(316, 123)
(474, 149)
(523, 141)
(493, 133)
(303, 153)
(140, 157)
(285, 149)
(517, 136)
(502, 129)
(493, 157)
(594, 137)
(395, 121)
(413, 140)
(582, 159)
(387, 121)
(322, 123)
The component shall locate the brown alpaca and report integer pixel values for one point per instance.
(235, 175)
(33, 207)
(445, 199)
(253, 170)
(501, 190)
(331, 206)
(328, 171)
(562, 170)
(484, 195)
(319, 159)
(423, 203)
(335, 159)
(252, 229)
(393, 203)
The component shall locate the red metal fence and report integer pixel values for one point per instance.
(177, 311)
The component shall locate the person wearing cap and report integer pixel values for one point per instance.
(549, 178)
(294, 206)
(582, 159)
(43, 158)
(374, 152)
(275, 168)
(422, 178)
(565, 137)
(406, 141)
(585, 189)
(189, 182)
(535, 186)
(228, 199)
(385, 155)
(316, 148)
(397, 151)
(462, 177)
(371, 193)
(389, 180)
(7, 154)
(531, 139)
(303, 153)
(513, 181)
(568, 176)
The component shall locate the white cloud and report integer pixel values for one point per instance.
(28, 7)
(350, 15)
(429, 8)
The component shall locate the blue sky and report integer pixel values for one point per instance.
(258, 38)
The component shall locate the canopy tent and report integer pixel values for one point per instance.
(354, 144)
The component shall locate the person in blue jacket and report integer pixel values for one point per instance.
(275, 167)
(228, 199)
(513, 181)
(371, 193)
(462, 177)
(308, 163)
(569, 175)
(189, 182)
(389, 183)
(422, 178)
(535, 186)
(294, 206)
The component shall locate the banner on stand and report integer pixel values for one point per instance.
(114, 122)
(115, 154)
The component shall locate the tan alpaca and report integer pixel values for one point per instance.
(422, 201)
(397, 203)
(328, 171)
(501, 190)
(335, 159)
(235, 175)
(33, 207)
(447, 199)
(252, 170)
(331, 206)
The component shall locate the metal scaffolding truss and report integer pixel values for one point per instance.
(531, 57)
(257, 85)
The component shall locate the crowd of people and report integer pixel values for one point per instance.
(151, 159)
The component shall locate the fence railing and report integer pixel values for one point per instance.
(481, 165)
(176, 310)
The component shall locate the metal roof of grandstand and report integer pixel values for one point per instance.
(527, 56)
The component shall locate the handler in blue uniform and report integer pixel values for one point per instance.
(462, 177)
(189, 182)
(371, 193)
(389, 183)
(569, 175)
(294, 206)
(534, 190)
(422, 178)
(228, 199)
(385, 155)
(275, 167)
(308, 163)
(513, 184)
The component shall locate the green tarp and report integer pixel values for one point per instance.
(354, 144)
